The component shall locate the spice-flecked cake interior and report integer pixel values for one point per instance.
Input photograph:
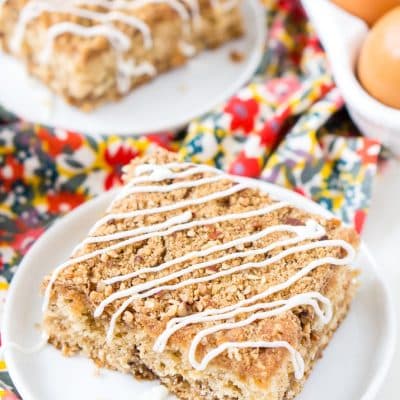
(253, 246)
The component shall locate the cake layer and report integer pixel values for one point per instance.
(201, 280)
(94, 51)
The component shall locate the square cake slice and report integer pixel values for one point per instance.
(205, 282)
(93, 51)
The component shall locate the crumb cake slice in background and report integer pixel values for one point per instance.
(93, 51)
(204, 282)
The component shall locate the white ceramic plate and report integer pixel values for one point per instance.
(168, 102)
(353, 366)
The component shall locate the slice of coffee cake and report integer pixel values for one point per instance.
(94, 51)
(202, 280)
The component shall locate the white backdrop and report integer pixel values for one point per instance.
(382, 234)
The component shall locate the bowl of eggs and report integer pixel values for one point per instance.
(362, 40)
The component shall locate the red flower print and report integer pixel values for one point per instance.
(12, 171)
(23, 241)
(60, 141)
(164, 140)
(276, 28)
(7, 395)
(300, 191)
(116, 159)
(314, 43)
(359, 220)
(245, 166)
(369, 151)
(293, 7)
(269, 134)
(63, 202)
(243, 113)
(283, 88)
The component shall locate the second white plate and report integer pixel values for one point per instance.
(353, 366)
(168, 102)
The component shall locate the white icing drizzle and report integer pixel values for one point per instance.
(297, 359)
(128, 69)
(223, 6)
(165, 172)
(255, 307)
(187, 49)
(171, 187)
(135, 4)
(119, 41)
(178, 228)
(195, 12)
(311, 299)
(303, 234)
(135, 239)
(170, 207)
(221, 247)
(220, 274)
(224, 313)
(156, 168)
(23, 349)
(36, 8)
(274, 289)
(162, 174)
(179, 219)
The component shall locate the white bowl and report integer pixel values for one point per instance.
(342, 36)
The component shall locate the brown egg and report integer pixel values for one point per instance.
(379, 61)
(368, 10)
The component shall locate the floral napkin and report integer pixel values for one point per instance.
(287, 126)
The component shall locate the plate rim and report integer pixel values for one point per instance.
(177, 122)
(276, 191)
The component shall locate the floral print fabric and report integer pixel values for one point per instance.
(287, 126)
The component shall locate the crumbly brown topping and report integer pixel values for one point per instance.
(152, 313)
(236, 56)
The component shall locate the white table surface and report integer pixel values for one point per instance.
(382, 234)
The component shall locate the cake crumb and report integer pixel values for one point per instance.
(236, 56)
